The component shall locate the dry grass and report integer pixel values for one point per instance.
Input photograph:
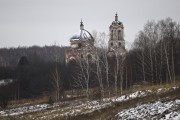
(148, 86)
(45, 98)
(32, 101)
(106, 113)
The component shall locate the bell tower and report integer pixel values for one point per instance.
(116, 42)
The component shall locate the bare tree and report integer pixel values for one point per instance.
(82, 76)
(122, 71)
(139, 43)
(56, 77)
(102, 57)
(57, 82)
(157, 50)
(99, 73)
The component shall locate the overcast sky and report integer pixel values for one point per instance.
(44, 22)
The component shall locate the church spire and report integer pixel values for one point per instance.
(81, 25)
(116, 17)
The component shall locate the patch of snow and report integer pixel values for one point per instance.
(161, 90)
(68, 96)
(6, 81)
(156, 110)
(149, 91)
(129, 96)
(71, 96)
(172, 115)
(175, 87)
(26, 109)
(177, 117)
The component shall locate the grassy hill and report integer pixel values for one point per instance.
(133, 104)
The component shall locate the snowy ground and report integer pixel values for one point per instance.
(60, 109)
(129, 96)
(74, 109)
(28, 109)
(157, 110)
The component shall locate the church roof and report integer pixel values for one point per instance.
(82, 34)
(116, 20)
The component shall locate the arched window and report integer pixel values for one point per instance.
(89, 57)
(119, 34)
(111, 34)
(119, 44)
(81, 55)
(111, 44)
(79, 45)
(72, 61)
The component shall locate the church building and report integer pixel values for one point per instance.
(82, 43)
(82, 46)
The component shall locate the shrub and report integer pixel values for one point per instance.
(50, 101)
(3, 102)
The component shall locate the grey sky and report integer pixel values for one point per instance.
(44, 22)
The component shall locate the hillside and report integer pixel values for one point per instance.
(157, 102)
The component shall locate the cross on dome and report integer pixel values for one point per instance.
(116, 17)
(81, 25)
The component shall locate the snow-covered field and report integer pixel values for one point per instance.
(157, 110)
(73, 108)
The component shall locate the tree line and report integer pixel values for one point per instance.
(157, 52)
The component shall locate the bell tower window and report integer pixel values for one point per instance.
(81, 55)
(119, 44)
(79, 45)
(119, 34)
(111, 44)
(111, 34)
